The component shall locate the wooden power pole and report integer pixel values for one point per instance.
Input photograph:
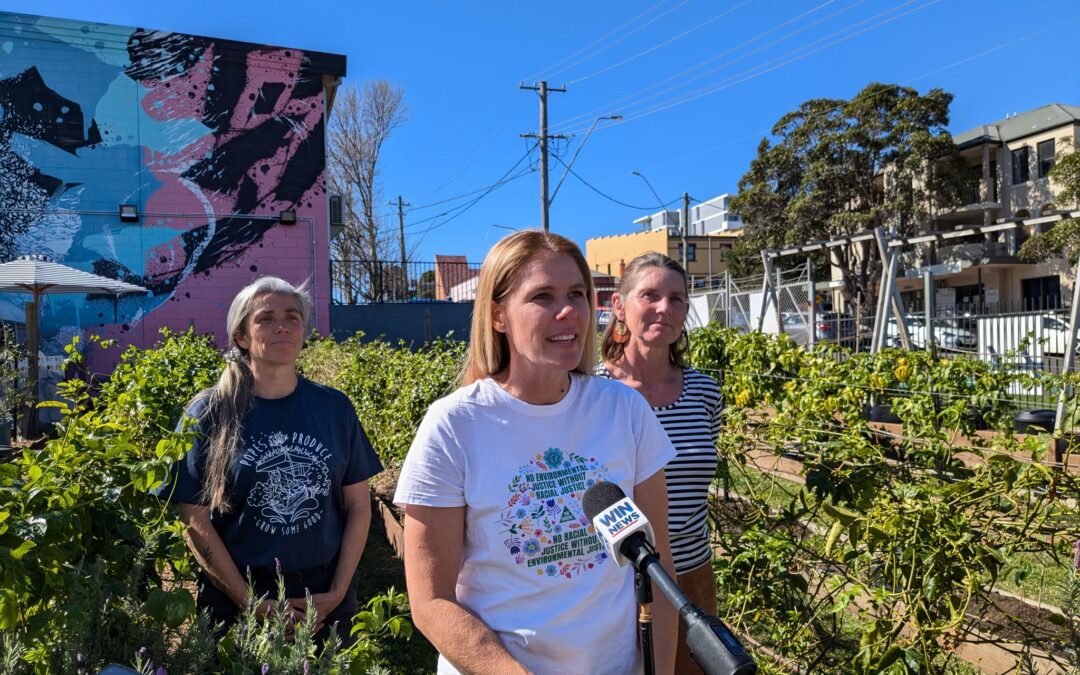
(543, 137)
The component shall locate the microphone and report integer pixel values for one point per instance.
(617, 520)
(629, 538)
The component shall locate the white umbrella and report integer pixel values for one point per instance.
(37, 276)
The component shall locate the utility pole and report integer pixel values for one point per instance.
(685, 224)
(543, 137)
(401, 204)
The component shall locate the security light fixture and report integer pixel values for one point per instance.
(287, 217)
(129, 213)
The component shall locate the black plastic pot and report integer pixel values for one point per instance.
(5, 432)
(1034, 421)
(881, 413)
(977, 417)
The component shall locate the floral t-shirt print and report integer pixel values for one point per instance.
(544, 522)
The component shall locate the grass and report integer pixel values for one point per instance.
(1038, 577)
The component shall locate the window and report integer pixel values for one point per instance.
(1046, 157)
(691, 252)
(1020, 165)
(1041, 293)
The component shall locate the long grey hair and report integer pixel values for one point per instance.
(227, 402)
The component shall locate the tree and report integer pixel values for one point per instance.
(362, 122)
(1063, 239)
(425, 285)
(837, 167)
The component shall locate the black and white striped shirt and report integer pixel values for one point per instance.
(692, 423)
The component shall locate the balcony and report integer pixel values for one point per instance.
(955, 258)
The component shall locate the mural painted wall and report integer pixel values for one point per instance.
(210, 139)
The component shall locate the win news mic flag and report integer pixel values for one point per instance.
(629, 538)
(615, 518)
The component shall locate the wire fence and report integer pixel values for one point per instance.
(364, 282)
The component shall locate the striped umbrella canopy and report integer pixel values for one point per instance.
(37, 276)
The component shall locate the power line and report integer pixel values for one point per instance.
(462, 209)
(485, 140)
(486, 190)
(764, 132)
(609, 197)
(636, 96)
(774, 63)
(560, 68)
(457, 197)
(712, 89)
(664, 43)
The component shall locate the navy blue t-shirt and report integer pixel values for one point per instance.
(285, 484)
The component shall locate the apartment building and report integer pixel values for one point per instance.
(1009, 161)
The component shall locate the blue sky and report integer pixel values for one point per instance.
(698, 82)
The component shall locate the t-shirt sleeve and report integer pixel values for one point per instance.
(363, 462)
(185, 481)
(716, 398)
(433, 473)
(654, 448)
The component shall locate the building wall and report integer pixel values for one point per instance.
(1036, 193)
(609, 255)
(210, 139)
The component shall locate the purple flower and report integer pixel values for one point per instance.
(532, 547)
(142, 652)
(306, 667)
(1076, 555)
(161, 671)
(277, 568)
(79, 658)
(265, 668)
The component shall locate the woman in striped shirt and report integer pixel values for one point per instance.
(644, 348)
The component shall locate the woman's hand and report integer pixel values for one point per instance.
(321, 603)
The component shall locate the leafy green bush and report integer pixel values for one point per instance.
(94, 569)
(391, 387)
(150, 388)
(874, 563)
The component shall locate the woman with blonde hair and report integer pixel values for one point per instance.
(504, 570)
(644, 347)
(276, 481)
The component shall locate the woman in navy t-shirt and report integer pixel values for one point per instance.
(276, 482)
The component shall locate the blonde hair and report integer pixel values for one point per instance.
(611, 350)
(489, 351)
(228, 401)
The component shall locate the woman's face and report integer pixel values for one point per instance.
(654, 309)
(273, 330)
(546, 315)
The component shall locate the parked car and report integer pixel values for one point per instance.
(828, 327)
(948, 334)
(603, 318)
(1034, 335)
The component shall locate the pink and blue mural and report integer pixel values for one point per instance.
(210, 139)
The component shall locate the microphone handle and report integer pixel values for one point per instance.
(712, 645)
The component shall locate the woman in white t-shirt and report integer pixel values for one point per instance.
(644, 348)
(504, 571)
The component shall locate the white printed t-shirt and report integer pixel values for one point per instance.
(532, 568)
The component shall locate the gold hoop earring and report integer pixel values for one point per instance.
(620, 333)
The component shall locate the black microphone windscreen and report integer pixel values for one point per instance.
(599, 497)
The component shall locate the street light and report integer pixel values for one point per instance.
(658, 200)
(577, 152)
(664, 210)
